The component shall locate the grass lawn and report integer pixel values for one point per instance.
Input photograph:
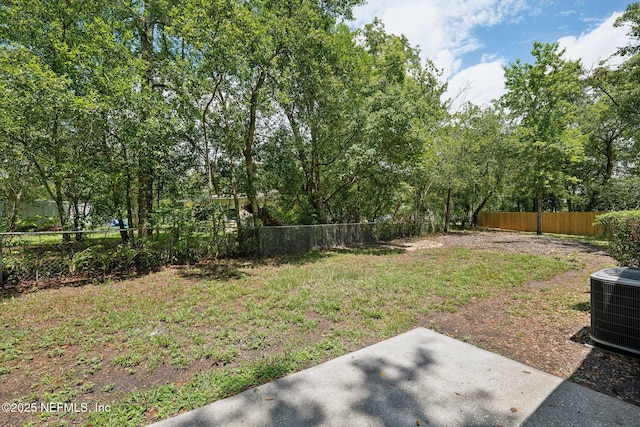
(157, 345)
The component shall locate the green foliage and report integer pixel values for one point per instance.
(121, 259)
(543, 101)
(36, 223)
(124, 108)
(622, 229)
(631, 17)
(91, 259)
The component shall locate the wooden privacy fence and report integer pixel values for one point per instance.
(578, 223)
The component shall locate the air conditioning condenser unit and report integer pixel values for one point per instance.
(615, 308)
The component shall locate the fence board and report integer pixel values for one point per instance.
(577, 223)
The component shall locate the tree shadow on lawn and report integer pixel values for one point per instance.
(13, 289)
(220, 269)
(378, 249)
(237, 268)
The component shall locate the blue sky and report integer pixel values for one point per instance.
(472, 40)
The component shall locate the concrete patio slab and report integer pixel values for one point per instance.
(420, 378)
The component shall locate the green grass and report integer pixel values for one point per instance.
(251, 322)
(599, 241)
(111, 236)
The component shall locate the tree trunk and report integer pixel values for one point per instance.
(311, 169)
(207, 159)
(130, 236)
(317, 199)
(57, 180)
(539, 210)
(145, 198)
(447, 211)
(248, 147)
(77, 223)
(476, 212)
(145, 167)
(236, 201)
(251, 190)
(609, 153)
(15, 205)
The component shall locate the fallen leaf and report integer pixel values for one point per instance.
(382, 374)
(514, 410)
(269, 398)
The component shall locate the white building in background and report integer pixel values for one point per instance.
(41, 209)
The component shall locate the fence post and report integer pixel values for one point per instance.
(258, 236)
(312, 238)
(1, 266)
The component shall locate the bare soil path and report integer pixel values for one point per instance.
(542, 324)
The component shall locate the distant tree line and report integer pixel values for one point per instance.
(128, 106)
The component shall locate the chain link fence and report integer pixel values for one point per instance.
(38, 259)
(71, 256)
(302, 238)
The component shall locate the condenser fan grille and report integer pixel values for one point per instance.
(615, 308)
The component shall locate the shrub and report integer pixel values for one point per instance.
(622, 230)
(123, 259)
(36, 223)
(92, 259)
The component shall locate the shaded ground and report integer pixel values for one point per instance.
(534, 326)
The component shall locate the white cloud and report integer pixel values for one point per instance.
(444, 31)
(485, 81)
(478, 84)
(596, 45)
(442, 28)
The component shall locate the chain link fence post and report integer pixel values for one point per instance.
(1, 265)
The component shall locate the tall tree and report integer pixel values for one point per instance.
(46, 51)
(605, 147)
(404, 114)
(320, 94)
(542, 99)
(151, 50)
(476, 159)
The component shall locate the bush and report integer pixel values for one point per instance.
(37, 223)
(123, 259)
(90, 260)
(622, 230)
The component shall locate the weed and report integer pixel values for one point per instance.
(108, 388)
(217, 356)
(129, 359)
